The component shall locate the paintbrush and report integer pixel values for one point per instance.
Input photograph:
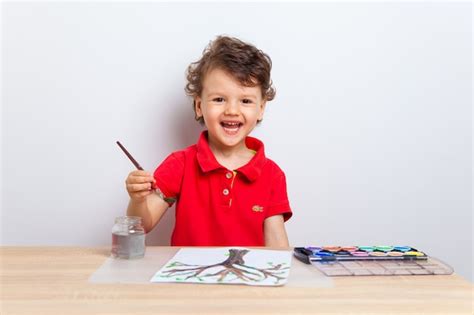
(138, 166)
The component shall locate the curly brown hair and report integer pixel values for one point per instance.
(247, 64)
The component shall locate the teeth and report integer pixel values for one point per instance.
(231, 123)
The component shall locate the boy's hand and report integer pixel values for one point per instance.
(139, 184)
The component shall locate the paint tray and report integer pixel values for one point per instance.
(371, 261)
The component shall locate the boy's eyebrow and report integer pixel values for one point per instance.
(250, 95)
(214, 93)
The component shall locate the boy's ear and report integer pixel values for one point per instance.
(262, 109)
(197, 106)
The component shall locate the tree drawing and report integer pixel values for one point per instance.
(232, 268)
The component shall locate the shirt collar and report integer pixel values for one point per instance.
(251, 170)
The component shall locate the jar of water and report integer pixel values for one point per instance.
(128, 238)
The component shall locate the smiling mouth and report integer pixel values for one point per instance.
(231, 127)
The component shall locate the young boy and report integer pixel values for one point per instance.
(227, 192)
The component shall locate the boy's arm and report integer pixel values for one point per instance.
(150, 209)
(274, 231)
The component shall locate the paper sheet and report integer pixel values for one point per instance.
(227, 265)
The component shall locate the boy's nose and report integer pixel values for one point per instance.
(232, 108)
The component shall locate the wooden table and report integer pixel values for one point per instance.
(54, 280)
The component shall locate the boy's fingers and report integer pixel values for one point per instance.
(138, 187)
(142, 179)
(140, 173)
(139, 179)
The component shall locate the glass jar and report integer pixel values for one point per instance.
(128, 238)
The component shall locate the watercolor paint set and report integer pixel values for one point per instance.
(328, 253)
(371, 260)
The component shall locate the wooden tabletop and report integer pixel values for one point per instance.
(54, 280)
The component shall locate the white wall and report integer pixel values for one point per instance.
(371, 123)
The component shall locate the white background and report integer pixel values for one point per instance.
(371, 122)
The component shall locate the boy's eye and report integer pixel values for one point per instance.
(218, 99)
(246, 101)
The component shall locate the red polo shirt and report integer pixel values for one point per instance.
(218, 207)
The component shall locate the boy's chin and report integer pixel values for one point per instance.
(231, 140)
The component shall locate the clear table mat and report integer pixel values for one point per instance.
(140, 271)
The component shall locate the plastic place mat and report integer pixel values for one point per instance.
(140, 271)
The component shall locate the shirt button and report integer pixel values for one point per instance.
(228, 175)
(225, 192)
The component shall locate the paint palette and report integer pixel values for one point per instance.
(326, 253)
(371, 261)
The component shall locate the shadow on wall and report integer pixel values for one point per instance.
(186, 131)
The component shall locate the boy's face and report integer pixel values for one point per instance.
(230, 110)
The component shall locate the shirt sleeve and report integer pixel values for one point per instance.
(169, 176)
(279, 203)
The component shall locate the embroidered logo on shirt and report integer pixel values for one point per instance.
(257, 208)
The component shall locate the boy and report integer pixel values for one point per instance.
(227, 192)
